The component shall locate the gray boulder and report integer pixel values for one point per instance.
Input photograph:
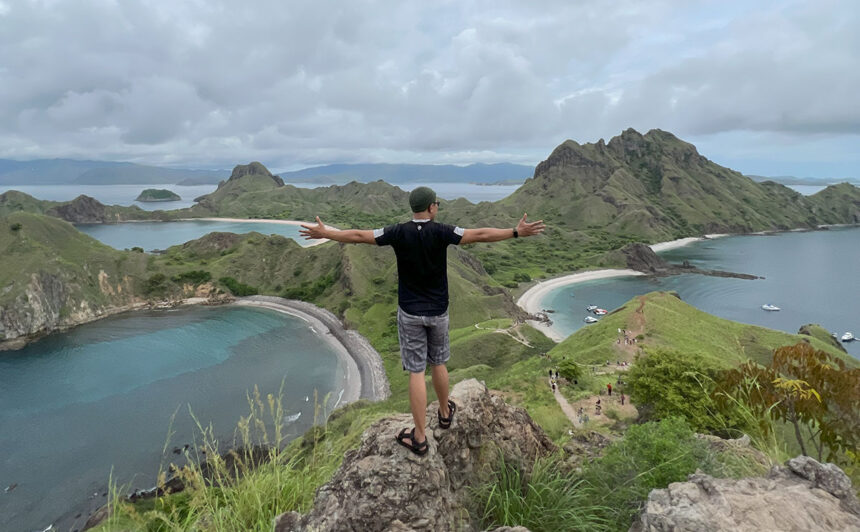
(382, 486)
(803, 496)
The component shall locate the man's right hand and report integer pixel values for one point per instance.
(525, 228)
(311, 232)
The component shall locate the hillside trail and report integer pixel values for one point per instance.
(515, 328)
(568, 410)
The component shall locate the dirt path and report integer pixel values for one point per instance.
(568, 410)
(517, 337)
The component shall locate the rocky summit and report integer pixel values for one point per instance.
(803, 495)
(382, 486)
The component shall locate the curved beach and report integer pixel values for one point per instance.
(365, 374)
(530, 300)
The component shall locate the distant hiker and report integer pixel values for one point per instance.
(622, 398)
(420, 246)
(609, 387)
(556, 374)
(553, 386)
(550, 374)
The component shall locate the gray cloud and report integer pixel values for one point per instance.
(212, 83)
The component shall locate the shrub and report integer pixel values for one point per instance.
(15, 226)
(193, 277)
(156, 284)
(650, 456)
(237, 288)
(137, 249)
(667, 383)
(570, 370)
(522, 277)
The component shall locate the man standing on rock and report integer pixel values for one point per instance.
(422, 314)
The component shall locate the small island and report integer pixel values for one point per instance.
(158, 194)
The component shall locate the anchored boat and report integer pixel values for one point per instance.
(590, 319)
(768, 306)
(847, 337)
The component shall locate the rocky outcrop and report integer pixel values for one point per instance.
(82, 209)
(382, 486)
(817, 331)
(254, 168)
(642, 258)
(804, 495)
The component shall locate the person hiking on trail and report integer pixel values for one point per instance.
(622, 398)
(420, 246)
(609, 387)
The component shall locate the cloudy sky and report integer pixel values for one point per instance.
(764, 87)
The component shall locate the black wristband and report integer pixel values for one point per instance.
(516, 233)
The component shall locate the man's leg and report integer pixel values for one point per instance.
(440, 384)
(418, 403)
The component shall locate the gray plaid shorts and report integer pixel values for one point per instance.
(423, 339)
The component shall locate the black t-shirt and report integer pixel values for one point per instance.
(422, 263)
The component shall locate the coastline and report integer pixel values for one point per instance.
(530, 300)
(365, 373)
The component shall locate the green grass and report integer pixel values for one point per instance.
(669, 322)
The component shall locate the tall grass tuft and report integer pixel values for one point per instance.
(548, 498)
(244, 488)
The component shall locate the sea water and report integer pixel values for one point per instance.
(814, 277)
(98, 400)
(161, 235)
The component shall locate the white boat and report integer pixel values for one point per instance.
(768, 306)
(591, 308)
(601, 311)
(847, 337)
(590, 319)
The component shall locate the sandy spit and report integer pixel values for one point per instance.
(365, 376)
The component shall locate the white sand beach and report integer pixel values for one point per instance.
(365, 374)
(530, 301)
(681, 242)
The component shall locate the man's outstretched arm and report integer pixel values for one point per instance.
(491, 234)
(351, 236)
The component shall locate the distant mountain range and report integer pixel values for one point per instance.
(75, 172)
(792, 180)
(339, 174)
(71, 172)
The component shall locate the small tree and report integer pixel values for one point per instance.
(808, 388)
(15, 227)
(570, 370)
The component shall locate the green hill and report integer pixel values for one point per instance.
(157, 194)
(661, 319)
(53, 276)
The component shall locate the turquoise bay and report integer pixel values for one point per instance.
(75, 405)
(814, 277)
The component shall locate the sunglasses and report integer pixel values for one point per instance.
(436, 203)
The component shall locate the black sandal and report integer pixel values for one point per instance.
(418, 448)
(445, 422)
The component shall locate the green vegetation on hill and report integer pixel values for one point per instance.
(157, 194)
(667, 322)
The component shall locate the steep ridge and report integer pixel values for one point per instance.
(657, 186)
